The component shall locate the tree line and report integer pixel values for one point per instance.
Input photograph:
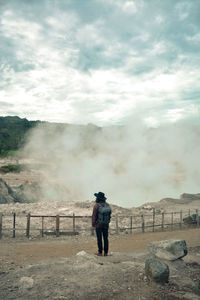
(13, 132)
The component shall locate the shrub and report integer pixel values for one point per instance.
(12, 168)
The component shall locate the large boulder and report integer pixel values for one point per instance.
(7, 195)
(169, 249)
(191, 219)
(157, 270)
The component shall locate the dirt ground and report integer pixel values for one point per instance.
(50, 269)
(32, 251)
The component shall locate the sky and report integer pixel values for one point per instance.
(100, 61)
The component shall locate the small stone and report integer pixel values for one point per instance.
(145, 278)
(81, 253)
(26, 283)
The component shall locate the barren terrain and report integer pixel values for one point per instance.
(50, 269)
(65, 267)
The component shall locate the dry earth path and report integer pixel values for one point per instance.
(49, 269)
(18, 252)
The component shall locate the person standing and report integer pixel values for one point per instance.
(100, 221)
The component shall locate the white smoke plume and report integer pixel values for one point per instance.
(131, 164)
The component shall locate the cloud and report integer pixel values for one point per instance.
(183, 9)
(5, 104)
(99, 62)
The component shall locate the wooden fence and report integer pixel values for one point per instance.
(119, 223)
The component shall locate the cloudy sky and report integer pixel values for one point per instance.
(100, 61)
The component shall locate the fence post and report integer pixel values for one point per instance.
(42, 230)
(153, 227)
(163, 219)
(57, 226)
(197, 214)
(131, 224)
(116, 221)
(14, 224)
(74, 225)
(143, 225)
(172, 220)
(28, 225)
(1, 220)
(181, 219)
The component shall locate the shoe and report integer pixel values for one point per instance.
(98, 254)
(105, 254)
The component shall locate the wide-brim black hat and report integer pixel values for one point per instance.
(100, 196)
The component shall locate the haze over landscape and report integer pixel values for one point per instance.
(132, 165)
(100, 95)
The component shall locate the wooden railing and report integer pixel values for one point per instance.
(119, 223)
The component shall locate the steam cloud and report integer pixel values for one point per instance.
(131, 164)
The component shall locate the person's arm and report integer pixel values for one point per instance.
(110, 211)
(94, 215)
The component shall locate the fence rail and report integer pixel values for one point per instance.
(119, 223)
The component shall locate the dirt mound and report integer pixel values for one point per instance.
(190, 197)
(185, 200)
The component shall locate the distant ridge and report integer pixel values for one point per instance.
(14, 130)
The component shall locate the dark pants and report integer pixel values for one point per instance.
(99, 232)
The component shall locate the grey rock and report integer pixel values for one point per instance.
(26, 283)
(25, 193)
(7, 195)
(169, 249)
(191, 219)
(192, 259)
(157, 270)
(28, 192)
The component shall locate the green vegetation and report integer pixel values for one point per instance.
(12, 168)
(10, 153)
(13, 132)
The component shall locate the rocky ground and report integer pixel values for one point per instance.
(66, 267)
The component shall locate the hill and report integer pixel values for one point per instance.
(13, 132)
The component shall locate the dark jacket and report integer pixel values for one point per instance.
(95, 214)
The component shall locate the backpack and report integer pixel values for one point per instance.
(104, 214)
